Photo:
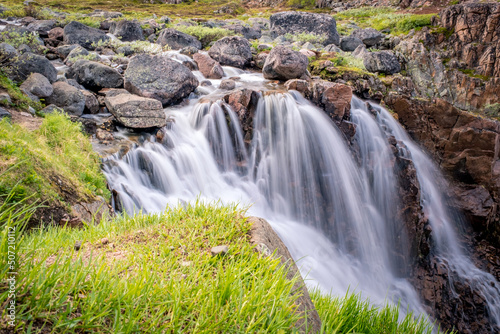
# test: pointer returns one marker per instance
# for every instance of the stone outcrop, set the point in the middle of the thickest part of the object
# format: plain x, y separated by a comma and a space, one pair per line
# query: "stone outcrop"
136, 112
268, 243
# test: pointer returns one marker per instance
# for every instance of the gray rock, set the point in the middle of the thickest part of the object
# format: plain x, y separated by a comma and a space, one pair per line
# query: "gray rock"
227, 84
136, 112
208, 67
232, 51
28, 63
219, 250
177, 40
4, 113
50, 109
350, 43
127, 31
302, 22
188, 50
91, 103
7, 52
308, 46
369, 36
37, 85
23, 48
105, 14
381, 61
284, 64
5, 98
64, 50
95, 76
42, 27
165, 19
332, 48
266, 39
67, 97
160, 78
79, 33
359, 52
78, 51
247, 32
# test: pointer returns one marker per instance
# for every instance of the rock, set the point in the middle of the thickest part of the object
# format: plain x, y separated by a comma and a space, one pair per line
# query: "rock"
205, 83
208, 67
42, 27
247, 32
5, 98
136, 112
160, 78
67, 97
105, 14
95, 76
177, 40
308, 46
302, 22
78, 51
332, 48
302, 86
368, 36
333, 98
284, 64
37, 85
104, 135
91, 103
232, 51
188, 50
104, 241
243, 102
7, 52
269, 243
56, 33
127, 31
307, 53
219, 250
78, 245
350, 43
28, 63
360, 52
4, 113
79, 33
227, 84
260, 59
64, 50
23, 48
381, 61
50, 109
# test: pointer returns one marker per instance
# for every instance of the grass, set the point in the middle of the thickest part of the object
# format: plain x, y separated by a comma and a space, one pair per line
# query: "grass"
19, 100
156, 274
206, 35
54, 163
306, 37
352, 314
381, 18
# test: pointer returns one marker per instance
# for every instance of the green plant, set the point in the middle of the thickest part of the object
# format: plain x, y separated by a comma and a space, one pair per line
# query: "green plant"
301, 3
16, 39
492, 110
206, 35
19, 100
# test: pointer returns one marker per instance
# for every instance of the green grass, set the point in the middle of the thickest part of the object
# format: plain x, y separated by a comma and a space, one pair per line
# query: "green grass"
155, 275
352, 314
19, 100
54, 162
206, 35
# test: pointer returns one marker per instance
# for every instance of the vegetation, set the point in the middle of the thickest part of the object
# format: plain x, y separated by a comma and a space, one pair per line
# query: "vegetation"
19, 100
206, 35
16, 39
50, 163
352, 314
492, 110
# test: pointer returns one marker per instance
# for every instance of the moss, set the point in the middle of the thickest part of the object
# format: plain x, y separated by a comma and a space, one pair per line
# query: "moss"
471, 73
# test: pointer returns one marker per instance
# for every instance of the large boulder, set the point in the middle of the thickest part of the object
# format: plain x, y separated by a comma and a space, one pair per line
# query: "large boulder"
177, 40
79, 33
382, 62
95, 76
247, 32
67, 97
368, 36
160, 78
127, 31
37, 85
284, 64
42, 27
135, 111
208, 67
302, 22
7, 52
21, 67
350, 43
232, 51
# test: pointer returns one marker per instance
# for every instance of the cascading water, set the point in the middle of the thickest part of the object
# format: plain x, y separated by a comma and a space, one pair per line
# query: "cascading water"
336, 218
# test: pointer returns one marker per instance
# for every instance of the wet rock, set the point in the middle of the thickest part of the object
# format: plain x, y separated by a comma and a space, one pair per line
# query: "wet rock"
368, 36
232, 51
227, 84
160, 78
333, 98
127, 31
37, 85
302, 86
104, 135
284, 64
135, 111
350, 43
189, 51
95, 76
68, 98
87, 37
382, 62
27, 63
302, 22
219, 250
177, 40
243, 103
208, 67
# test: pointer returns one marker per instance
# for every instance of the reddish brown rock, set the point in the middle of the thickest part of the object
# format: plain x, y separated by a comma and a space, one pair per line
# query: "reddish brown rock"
334, 98
208, 67
243, 102
56, 33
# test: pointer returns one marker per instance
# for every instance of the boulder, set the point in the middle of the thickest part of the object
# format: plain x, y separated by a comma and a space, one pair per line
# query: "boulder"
247, 32
4, 113
333, 98
91, 102
64, 50
95, 76
359, 52
127, 31
42, 27
368, 36
227, 84
208, 67
135, 111
350, 43
302, 22
177, 40
332, 48
78, 51
232, 51
381, 61
7, 52
28, 63
284, 64
67, 97
299, 85
56, 33
160, 78
79, 33
37, 85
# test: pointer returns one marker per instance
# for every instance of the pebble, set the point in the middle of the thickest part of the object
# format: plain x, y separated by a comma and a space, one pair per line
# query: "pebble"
219, 250
78, 245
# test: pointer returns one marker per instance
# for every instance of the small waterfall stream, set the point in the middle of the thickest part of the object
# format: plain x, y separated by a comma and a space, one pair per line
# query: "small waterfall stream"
337, 217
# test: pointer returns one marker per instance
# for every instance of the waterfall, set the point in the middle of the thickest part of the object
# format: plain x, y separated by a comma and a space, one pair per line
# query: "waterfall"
335, 214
